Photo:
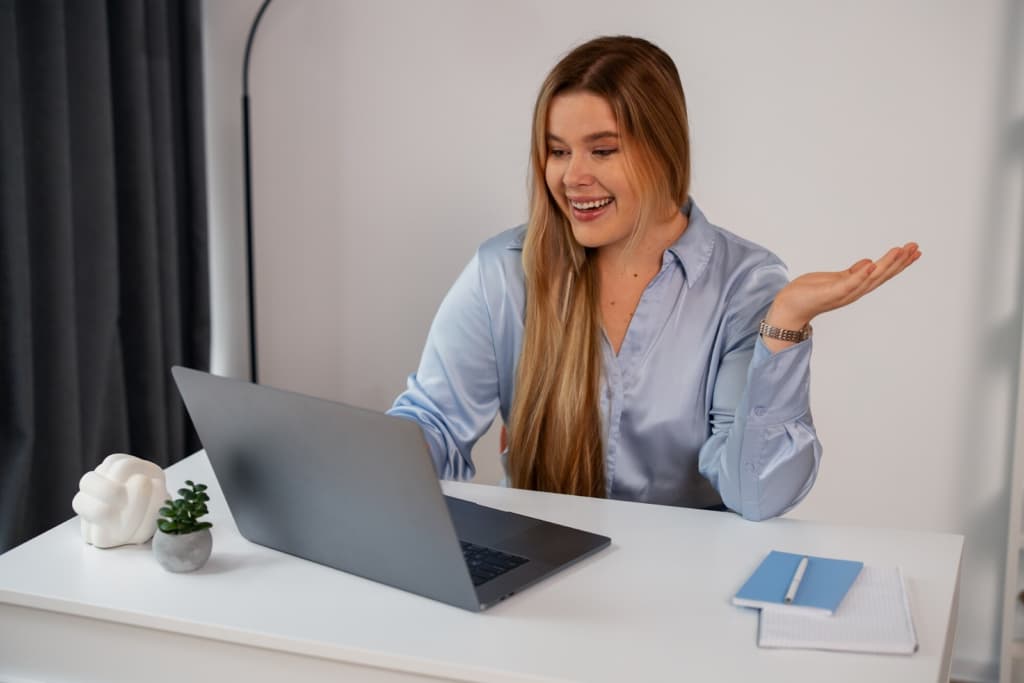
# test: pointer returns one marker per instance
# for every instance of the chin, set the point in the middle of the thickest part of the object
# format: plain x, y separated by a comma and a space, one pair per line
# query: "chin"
588, 237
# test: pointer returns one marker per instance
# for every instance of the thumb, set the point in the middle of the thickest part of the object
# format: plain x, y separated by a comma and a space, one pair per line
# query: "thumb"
863, 267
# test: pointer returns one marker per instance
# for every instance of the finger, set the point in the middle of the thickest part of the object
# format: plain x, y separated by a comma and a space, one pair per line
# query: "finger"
897, 267
904, 263
854, 274
840, 288
848, 280
855, 294
911, 250
863, 263
915, 254
893, 267
863, 276
877, 276
881, 268
889, 257
890, 265
829, 289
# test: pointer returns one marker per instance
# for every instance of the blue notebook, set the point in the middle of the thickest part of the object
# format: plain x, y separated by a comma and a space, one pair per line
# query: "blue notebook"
825, 581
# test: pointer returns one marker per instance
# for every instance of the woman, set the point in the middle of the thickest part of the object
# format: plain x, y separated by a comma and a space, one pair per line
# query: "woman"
634, 350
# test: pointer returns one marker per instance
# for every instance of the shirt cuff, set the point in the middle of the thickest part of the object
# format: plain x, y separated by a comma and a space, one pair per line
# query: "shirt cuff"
778, 384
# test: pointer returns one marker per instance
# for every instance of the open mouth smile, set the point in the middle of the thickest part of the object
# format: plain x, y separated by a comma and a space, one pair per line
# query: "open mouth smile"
589, 209
590, 205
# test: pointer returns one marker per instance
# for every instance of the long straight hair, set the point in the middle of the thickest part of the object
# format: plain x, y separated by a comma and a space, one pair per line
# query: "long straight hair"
555, 430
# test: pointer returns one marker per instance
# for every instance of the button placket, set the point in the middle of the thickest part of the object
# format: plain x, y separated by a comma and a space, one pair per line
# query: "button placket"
613, 373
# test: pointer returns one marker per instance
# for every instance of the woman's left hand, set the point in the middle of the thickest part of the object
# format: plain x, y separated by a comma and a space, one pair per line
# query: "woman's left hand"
814, 293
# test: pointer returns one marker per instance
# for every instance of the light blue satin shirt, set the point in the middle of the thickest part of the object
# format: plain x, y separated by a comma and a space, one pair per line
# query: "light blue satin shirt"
696, 411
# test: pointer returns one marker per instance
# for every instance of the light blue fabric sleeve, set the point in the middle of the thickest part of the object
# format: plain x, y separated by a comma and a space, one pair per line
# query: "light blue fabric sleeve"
763, 453
453, 395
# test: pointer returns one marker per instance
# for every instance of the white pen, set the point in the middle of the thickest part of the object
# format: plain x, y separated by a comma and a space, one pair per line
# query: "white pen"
794, 585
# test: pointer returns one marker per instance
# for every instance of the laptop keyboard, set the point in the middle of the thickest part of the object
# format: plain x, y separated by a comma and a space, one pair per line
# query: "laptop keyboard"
487, 563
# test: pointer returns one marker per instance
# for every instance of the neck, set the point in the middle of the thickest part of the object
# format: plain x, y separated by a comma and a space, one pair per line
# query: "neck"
616, 260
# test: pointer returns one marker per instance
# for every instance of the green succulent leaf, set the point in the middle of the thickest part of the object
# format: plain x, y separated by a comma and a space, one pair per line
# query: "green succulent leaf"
181, 514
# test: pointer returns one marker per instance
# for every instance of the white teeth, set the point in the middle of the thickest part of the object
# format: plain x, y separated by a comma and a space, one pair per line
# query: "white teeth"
591, 205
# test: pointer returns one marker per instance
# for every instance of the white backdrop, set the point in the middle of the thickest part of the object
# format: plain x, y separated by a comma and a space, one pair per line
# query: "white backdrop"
390, 139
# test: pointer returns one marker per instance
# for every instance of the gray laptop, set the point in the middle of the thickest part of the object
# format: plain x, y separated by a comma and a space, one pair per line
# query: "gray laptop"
356, 490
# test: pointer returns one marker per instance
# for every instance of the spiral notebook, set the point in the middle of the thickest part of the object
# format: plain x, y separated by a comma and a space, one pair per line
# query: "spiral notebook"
875, 616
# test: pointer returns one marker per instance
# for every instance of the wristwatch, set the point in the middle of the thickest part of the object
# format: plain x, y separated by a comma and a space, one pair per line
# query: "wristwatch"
767, 330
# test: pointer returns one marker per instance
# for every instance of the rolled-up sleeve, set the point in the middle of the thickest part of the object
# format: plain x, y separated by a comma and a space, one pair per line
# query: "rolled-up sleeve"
453, 394
763, 452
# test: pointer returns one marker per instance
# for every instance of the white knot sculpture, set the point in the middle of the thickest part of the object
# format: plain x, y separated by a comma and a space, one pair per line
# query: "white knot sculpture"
119, 501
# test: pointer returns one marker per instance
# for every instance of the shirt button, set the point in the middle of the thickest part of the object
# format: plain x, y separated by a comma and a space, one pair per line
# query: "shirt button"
759, 411
750, 467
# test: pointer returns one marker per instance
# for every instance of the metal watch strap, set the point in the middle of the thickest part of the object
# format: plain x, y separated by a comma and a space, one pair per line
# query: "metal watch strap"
767, 330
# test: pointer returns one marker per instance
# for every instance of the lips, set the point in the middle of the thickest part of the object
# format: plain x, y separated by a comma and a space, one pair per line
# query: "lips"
589, 209
590, 204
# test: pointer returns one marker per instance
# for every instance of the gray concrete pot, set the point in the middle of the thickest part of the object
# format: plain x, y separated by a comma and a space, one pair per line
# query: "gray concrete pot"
182, 552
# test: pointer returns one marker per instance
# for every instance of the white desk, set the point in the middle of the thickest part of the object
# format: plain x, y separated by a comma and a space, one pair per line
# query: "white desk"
652, 607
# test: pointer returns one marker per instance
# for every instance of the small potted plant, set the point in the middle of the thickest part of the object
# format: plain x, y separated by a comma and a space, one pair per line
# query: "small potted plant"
182, 543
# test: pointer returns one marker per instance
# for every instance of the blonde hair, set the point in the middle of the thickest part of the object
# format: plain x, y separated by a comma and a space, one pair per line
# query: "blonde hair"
555, 441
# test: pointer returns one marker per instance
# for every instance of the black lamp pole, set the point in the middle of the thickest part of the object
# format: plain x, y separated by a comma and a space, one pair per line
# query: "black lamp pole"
253, 374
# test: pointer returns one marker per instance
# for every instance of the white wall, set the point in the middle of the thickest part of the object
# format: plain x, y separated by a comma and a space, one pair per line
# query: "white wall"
390, 138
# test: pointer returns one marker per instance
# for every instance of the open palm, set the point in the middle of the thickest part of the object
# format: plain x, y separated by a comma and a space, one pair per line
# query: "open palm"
814, 293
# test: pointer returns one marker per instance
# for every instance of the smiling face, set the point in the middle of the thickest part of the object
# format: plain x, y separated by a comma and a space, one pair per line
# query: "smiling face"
586, 171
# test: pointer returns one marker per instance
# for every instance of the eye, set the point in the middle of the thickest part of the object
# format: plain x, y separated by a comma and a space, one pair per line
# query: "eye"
605, 151
557, 153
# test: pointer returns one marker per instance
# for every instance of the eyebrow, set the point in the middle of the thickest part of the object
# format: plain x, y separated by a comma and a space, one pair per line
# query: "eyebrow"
593, 137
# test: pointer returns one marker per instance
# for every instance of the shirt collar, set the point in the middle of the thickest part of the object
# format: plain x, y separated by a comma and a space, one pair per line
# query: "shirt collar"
692, 250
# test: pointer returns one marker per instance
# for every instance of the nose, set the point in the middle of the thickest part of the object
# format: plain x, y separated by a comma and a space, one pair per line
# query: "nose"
577, 171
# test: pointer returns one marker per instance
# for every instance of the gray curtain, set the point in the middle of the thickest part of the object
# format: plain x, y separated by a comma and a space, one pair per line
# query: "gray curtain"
103, 265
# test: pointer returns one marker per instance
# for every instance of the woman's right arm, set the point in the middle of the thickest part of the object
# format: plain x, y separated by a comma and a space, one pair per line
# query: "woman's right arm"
453, 395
